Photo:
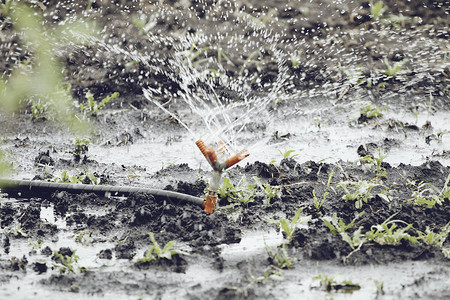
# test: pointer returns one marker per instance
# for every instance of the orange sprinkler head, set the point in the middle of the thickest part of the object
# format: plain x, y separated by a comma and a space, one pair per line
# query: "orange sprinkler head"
237, 158
221, 147
203, 148
210, 203
212, 156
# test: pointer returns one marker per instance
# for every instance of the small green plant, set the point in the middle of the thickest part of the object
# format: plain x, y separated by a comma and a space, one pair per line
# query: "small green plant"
84, 237
288, 154
16, 231
67, 263
156, 253
391, 71
270, 273
318, 203
388, 232
36, 245
279, 257
86, 177
370, 112
328, 283
92, 106
434, 239
380, 287
80, 148
427, 194
377, 162
270, 191
377, 9
242, 193
338, 226
289, 226
359, 191
38, 109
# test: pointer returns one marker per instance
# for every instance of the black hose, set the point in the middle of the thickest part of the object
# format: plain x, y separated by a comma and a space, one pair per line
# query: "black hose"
33, 188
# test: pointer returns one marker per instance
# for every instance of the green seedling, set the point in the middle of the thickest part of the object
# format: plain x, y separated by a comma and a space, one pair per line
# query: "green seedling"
319, 203
84, 237
337, 226
388, 232
16, 231
67, 263
36, 245
370, 112
446, 252
242, 193
427, 194
376, 162
270, 273
80, 147
328, 284
87, 178
279, 257
144, 23
434, 239
296, 58
92, 107
377, 9
359, 191
155, 253
270, 191
288, 154
391, 71
289, 226
380, 287
38, 109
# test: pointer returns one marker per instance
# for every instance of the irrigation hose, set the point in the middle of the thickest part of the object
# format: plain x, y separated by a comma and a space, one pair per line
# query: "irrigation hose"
34, 188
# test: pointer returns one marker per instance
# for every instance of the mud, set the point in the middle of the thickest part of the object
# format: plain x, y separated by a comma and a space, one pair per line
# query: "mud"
318, 114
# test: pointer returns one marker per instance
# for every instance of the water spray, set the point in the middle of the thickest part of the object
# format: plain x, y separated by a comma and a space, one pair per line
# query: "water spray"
219, 165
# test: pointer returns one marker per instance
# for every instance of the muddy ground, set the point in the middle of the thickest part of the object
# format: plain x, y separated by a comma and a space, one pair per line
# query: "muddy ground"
317, 111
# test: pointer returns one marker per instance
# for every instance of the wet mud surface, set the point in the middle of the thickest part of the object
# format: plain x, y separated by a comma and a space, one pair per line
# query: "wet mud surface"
88, 246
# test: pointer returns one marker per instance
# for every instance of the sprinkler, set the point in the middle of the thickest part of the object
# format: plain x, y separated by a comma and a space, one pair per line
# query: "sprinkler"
218, 165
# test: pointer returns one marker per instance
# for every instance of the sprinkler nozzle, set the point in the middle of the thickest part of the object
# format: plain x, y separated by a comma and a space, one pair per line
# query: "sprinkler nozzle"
237, 158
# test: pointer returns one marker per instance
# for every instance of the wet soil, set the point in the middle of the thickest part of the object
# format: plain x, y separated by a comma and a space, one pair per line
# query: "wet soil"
227, 254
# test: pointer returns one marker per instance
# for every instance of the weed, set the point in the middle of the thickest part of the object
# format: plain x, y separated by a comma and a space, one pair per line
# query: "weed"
388, 233
144, 23
328, 283
270, 191
87, 177
80, 148
359, 191
288, 154
16, 231
446, 252
241, 193
35, 244
270, 273
156, 253
338, 226
92, 106
428, 194
67, 263
377, 162
289, 226
370, 112
380, 287
431, 238
391, 71
84, 237
377, 9
318, 203
280, 257
38, 110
